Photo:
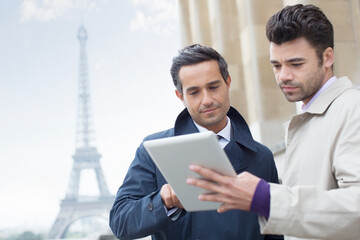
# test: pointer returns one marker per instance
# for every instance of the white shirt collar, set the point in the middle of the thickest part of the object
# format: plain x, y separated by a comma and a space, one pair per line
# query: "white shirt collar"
225, 132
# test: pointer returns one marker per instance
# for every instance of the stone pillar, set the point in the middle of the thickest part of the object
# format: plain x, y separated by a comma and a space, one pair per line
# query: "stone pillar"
344, 16
194, 22
199, 21
184, 23
267, 107
223, 17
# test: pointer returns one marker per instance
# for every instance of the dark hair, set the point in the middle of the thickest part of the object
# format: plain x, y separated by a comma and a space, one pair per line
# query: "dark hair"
299, 20
196, 54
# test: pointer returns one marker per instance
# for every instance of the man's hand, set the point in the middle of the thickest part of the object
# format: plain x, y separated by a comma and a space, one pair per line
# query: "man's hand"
233, 192
169, 197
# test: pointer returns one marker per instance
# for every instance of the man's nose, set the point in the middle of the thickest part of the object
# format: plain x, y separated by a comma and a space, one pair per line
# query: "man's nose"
207, 100
285, 74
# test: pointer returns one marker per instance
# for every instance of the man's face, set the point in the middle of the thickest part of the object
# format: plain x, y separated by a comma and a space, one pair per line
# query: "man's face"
296, 68
205, 94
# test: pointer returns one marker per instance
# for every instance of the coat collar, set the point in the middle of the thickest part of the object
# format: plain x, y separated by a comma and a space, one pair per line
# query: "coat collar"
240, 130
325, 99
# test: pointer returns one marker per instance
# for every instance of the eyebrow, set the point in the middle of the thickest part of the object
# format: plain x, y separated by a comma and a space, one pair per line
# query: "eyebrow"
213, 82
291, 60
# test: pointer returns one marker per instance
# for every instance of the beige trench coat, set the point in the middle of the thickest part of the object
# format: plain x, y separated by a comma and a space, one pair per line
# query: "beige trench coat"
320, 195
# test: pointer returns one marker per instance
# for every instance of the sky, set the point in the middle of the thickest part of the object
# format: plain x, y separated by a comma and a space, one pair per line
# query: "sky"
129, 50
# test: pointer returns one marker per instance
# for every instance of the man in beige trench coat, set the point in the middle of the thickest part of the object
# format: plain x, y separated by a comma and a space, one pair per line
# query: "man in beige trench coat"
320, 195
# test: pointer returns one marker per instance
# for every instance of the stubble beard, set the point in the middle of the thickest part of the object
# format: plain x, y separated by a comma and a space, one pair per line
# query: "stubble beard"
306, 92
216, 118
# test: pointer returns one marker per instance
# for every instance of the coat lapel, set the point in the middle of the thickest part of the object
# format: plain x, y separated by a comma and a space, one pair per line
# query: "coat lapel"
236, 155
241, 142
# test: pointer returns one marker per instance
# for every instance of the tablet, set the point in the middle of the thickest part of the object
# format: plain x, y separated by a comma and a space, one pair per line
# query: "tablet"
173, 156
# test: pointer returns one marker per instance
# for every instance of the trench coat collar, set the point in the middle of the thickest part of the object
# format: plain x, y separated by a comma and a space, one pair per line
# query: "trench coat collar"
324, 100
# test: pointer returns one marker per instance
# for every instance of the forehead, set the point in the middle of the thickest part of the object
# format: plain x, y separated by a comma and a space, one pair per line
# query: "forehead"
200, 72
298, 48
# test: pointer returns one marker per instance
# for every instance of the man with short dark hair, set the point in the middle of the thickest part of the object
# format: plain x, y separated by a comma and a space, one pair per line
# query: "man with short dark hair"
146, 205
320, 195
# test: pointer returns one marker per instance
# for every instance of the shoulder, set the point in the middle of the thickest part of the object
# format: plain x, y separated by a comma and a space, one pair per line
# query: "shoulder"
263, 150
262, 163
348, 94
142, 155
347, 101
162, 134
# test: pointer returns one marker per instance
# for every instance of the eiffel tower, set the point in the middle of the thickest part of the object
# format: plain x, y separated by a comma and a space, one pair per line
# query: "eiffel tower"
75, 206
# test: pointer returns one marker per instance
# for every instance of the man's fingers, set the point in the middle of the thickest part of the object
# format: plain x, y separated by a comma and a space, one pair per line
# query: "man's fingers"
205, 184
207, 173
223, 208
166, 197
217, 197
169, 197
227, 206
169, 203
175, 201
213, 197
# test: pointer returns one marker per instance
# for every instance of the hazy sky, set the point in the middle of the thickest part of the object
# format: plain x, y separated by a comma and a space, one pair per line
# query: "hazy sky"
129, 50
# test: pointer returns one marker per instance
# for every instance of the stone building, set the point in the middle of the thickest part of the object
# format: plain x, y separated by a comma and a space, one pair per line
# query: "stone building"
236, 29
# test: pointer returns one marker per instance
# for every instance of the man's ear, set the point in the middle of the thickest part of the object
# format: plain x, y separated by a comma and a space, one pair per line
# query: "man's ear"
328, 57
179, 95
228, 81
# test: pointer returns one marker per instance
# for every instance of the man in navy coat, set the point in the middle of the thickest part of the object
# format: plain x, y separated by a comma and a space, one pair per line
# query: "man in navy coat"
146, 205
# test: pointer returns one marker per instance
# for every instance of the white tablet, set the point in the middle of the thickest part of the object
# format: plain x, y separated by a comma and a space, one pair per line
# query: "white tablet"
173, 156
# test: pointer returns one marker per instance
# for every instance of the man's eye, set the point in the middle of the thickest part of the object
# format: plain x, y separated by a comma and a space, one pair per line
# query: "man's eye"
214, 87
193, 92
277, 66
296, 64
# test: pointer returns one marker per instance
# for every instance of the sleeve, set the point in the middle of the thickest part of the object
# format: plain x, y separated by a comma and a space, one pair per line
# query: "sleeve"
310, 212
260, 203
138, 210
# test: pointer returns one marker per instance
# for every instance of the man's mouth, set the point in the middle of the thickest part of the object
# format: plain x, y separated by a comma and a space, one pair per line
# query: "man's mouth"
209, 110
288, 89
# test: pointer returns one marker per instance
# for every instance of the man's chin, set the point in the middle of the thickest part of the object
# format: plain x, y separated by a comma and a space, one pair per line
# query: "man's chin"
292, 98
210, 123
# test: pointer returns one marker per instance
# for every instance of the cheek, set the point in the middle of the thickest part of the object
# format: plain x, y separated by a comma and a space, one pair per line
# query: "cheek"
276, 75
190, 104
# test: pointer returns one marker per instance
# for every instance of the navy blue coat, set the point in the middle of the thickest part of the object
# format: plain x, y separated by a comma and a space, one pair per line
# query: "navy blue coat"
138, 210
